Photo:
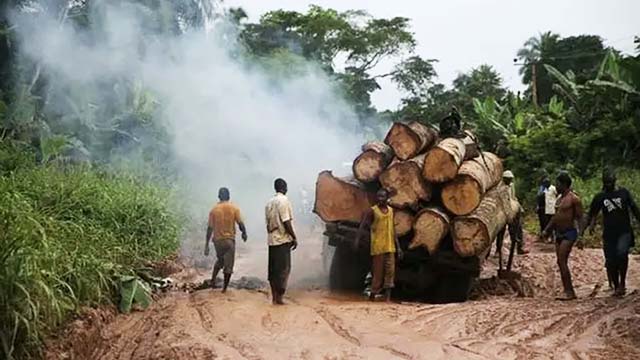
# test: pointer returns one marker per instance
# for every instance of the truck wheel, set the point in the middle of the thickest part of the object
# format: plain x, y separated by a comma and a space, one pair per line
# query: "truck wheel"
453, 287
348, 270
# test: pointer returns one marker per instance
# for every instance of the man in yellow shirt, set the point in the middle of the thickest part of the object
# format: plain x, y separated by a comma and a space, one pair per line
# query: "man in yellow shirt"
384, 245
222, 223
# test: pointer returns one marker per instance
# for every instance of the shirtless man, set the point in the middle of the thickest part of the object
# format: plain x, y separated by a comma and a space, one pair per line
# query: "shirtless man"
565, 223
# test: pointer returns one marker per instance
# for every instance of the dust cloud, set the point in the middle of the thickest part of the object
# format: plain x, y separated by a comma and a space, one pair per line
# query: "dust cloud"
231, 122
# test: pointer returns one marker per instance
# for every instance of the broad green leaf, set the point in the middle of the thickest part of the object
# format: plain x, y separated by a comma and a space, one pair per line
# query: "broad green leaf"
133, 291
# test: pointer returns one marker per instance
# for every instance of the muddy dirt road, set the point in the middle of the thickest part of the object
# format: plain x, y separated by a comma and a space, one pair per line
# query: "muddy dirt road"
316, 325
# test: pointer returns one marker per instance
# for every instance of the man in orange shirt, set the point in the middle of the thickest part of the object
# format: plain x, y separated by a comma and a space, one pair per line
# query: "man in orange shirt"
222, 223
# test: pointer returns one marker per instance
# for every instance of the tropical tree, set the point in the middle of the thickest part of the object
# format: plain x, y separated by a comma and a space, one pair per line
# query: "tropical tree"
580, 54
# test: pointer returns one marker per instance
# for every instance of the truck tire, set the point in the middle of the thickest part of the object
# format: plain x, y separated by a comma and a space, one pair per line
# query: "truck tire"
348, 269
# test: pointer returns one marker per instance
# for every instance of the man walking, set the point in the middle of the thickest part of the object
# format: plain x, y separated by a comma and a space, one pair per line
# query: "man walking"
616, 205
222, 223
282, 239
565, 223
384, 245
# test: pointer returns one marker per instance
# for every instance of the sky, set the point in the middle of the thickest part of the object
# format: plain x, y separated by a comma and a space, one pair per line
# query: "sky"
462, 34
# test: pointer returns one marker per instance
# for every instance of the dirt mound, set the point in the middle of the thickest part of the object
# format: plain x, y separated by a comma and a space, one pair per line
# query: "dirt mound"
506, 284
78, 339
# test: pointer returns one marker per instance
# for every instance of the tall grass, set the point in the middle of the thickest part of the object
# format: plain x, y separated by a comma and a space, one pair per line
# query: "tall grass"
65, 237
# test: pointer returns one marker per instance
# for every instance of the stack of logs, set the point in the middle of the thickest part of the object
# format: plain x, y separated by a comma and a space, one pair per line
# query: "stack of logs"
438, 187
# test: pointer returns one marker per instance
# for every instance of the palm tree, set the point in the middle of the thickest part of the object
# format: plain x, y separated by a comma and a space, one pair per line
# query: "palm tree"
535, 49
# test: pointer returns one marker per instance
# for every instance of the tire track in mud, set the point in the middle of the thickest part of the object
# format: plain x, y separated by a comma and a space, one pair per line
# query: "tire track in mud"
397, 353
336, 324
207, 320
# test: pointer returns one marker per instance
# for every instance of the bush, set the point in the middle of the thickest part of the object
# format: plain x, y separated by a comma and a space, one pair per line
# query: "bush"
65, 236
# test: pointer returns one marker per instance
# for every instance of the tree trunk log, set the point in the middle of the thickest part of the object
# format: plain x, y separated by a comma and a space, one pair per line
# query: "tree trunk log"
375, 157
442, 162
431, 225
404, 181
341, 199
409, 140
473, 234
403, 221
475, 177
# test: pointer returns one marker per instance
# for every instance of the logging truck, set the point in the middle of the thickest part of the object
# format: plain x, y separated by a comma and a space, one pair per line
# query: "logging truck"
449, 204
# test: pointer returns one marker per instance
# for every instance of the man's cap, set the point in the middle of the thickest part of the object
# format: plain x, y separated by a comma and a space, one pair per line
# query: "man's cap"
507, 174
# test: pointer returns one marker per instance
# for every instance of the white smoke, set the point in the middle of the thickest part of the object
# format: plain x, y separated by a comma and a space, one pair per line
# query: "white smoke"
232, 124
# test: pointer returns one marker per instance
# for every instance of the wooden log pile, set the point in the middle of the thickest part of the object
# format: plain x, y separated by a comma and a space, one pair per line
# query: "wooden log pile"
442, 189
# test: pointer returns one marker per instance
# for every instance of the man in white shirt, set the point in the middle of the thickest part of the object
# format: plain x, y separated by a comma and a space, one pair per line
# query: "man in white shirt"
546, 202
282, 239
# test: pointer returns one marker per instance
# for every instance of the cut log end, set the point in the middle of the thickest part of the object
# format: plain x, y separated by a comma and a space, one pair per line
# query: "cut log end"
375, 157
409, 140
368, 166
403, 222
403, 140
430, 227
471, 236
462, 195
444, 160
340, 199
404, 180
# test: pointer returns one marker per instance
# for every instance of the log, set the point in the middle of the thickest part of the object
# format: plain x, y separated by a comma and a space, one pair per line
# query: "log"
403, 222
375, 157
404, 181
341, 199
409, 140
431, 225
473, 234
442, 162
475, 177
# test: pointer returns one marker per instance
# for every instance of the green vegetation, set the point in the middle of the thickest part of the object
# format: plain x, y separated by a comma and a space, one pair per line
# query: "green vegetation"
66, 235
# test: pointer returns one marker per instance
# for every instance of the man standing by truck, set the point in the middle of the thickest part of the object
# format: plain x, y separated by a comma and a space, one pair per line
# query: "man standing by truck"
282, 239
515, 226
384, 245
222, 223
616, 205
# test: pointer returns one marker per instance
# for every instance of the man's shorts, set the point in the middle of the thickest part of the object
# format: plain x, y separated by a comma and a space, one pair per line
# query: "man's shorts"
226, 254
617, 248
568, 235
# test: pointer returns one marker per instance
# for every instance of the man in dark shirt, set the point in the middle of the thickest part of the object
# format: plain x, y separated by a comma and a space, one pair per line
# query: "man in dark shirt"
615, 204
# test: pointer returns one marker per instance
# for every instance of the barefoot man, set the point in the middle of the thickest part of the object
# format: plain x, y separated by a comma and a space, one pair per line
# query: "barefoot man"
565, 223
384, 245
222, 223
282, 239
616, 205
